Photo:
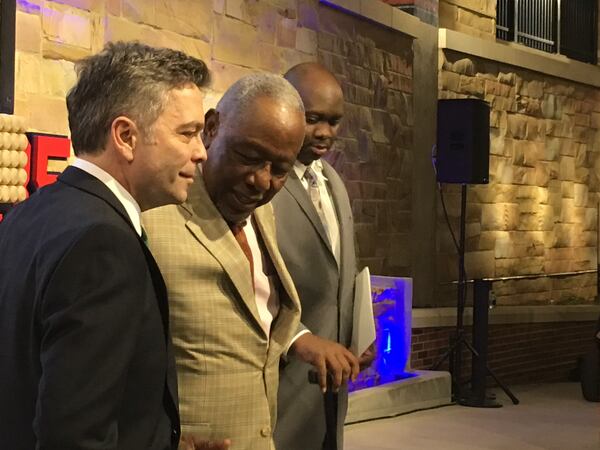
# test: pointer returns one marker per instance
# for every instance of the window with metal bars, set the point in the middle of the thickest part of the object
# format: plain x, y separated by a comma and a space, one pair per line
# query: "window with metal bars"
568, 27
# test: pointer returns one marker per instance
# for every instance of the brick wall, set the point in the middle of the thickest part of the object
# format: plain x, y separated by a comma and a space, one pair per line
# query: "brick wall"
373, 154
517, 353
539, 213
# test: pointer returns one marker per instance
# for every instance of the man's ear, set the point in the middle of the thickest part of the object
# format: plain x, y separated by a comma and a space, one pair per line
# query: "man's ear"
211, 127
124, 135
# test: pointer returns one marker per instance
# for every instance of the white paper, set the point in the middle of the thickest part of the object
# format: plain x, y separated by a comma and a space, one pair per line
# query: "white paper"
363, 327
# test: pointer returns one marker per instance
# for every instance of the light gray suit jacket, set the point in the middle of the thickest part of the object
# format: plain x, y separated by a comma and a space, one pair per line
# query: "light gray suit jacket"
326, 294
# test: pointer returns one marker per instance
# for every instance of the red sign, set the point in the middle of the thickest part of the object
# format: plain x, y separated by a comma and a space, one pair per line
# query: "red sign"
41, 149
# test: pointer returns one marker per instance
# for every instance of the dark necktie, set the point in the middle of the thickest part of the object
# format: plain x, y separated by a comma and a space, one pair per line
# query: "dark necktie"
240, 237
144, 237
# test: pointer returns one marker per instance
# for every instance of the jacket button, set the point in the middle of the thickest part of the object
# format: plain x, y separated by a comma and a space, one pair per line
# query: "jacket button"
265, 432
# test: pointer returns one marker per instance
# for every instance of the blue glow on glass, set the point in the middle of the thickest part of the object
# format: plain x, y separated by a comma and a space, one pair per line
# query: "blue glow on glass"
393, 337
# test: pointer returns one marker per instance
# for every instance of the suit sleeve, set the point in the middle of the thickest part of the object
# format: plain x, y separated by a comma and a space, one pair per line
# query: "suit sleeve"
90, 314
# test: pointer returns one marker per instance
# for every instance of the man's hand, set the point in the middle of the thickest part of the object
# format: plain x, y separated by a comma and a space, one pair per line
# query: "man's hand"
367, 357
325, 356
191, 442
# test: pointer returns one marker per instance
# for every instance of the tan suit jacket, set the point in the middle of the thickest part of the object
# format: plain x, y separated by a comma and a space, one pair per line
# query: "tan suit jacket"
227, 367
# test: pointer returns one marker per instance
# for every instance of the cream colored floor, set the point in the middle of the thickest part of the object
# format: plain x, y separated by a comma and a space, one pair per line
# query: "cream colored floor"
549, 417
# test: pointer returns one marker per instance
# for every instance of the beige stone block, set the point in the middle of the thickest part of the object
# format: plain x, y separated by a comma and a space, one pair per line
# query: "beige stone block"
43, 114
591, 219
480, 264
548, 106
117, 29
535, 193
448, 15
235, 9
28, 72
525, 153
508, 78
595, 120
235, 42
500, 169
567, 210
28, 32
483, 7
191, 46
306, 41
564, 234
561, 266
58, 77
286, 32
516, 126
139, 11
547, 220
484, 24
581, 134
67, 26
55, 50
580, 194
113, 7
471, 85
186, 17
464, 66
88, 5
224, 75
499, 145
492, 193
500, 217
524, 175
519, 266
567, 168
581, 119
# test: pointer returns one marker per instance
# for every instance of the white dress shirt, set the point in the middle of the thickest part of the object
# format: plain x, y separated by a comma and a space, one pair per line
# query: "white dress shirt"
332, 226
266, 286
131, 206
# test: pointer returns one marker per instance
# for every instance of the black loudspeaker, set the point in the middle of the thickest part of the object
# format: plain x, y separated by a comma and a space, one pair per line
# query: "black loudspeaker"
463, 141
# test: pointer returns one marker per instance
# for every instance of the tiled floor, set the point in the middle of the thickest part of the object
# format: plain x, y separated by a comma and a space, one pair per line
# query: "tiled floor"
549, 417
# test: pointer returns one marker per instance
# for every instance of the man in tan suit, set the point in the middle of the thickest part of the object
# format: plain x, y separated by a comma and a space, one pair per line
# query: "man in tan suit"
233, 305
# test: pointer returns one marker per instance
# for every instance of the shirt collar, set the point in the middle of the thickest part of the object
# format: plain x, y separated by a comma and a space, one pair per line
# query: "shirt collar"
131, 206
316, 165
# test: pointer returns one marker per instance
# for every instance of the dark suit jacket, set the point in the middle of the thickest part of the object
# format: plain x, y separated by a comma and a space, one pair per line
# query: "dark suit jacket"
85, 357
326, 293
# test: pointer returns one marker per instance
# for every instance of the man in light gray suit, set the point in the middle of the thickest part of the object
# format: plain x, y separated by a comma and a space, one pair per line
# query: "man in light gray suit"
315, 233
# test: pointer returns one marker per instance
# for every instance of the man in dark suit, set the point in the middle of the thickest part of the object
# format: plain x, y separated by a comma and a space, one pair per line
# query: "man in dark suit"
85, 353
315, 234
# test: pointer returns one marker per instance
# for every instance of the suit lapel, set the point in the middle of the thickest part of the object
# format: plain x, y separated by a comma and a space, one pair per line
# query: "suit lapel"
82, 180
210, 229
289, 304
340, 203
294, 186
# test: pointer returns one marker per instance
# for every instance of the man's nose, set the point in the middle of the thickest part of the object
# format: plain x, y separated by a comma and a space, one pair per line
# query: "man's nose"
323, 130
262, 178
198, 151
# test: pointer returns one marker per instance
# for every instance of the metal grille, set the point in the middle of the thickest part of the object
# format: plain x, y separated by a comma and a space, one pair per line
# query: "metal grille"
579, 29
550, 25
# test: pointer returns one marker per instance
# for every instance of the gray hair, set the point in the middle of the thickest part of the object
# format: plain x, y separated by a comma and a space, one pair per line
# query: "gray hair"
247, 89
129, 79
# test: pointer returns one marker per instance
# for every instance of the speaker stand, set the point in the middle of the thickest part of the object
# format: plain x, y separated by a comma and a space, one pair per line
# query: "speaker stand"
476, 397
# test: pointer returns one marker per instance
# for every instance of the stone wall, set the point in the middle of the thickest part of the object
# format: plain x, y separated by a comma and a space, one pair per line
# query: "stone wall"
472, 17
237, 37
539, 214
